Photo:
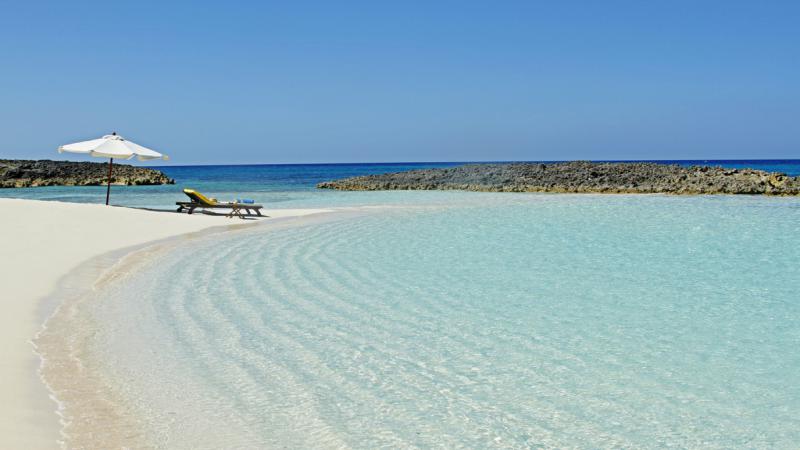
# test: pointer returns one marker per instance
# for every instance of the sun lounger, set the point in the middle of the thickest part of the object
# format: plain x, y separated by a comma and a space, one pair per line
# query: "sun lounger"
199, 200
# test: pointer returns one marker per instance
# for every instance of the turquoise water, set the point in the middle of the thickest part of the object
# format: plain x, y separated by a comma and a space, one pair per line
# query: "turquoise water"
276, 186
472, 320
282, 186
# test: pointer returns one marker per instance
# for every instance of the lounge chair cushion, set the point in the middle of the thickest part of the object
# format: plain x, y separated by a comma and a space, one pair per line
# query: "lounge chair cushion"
200, 198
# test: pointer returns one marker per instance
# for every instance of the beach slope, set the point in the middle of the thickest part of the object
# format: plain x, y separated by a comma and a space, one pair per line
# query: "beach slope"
41, 242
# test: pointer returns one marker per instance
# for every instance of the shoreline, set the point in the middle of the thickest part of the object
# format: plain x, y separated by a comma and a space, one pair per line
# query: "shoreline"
125, 418
45, 242
96, 414
51, 344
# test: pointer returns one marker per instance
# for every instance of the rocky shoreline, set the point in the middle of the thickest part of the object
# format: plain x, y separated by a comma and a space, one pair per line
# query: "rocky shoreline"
580, 177
18, 173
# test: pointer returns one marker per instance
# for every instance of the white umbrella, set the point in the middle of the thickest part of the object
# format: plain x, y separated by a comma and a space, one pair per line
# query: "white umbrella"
112, 146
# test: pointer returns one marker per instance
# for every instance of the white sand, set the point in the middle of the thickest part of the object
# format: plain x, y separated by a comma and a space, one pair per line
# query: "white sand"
41, 242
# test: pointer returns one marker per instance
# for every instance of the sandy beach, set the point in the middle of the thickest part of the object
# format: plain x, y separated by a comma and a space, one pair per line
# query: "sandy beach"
43, 241
399, 225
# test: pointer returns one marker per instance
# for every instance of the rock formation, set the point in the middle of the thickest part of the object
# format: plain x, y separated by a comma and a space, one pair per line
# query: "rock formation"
580, 177
27, 173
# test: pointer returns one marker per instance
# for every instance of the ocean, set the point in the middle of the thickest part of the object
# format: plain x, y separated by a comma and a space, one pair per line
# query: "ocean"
283, 185
454, 319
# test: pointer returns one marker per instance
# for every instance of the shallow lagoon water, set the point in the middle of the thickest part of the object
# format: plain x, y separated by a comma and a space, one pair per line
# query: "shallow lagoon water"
471, 320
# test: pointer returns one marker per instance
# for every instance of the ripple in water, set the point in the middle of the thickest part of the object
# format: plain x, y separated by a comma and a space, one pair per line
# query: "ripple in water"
511, 321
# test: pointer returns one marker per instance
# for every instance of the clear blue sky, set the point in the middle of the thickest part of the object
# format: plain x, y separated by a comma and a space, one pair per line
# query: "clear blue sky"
246, 82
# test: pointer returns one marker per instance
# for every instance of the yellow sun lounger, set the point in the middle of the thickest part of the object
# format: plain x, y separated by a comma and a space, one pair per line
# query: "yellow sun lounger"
201, 201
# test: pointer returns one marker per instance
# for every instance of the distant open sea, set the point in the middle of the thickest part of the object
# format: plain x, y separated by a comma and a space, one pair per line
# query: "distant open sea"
414, 319
283, 185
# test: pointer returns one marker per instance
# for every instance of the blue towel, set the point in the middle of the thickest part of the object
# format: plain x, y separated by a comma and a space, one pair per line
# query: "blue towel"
244, 200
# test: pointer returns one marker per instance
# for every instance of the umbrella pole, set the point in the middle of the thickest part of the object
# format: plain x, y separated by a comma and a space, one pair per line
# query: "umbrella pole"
108, 189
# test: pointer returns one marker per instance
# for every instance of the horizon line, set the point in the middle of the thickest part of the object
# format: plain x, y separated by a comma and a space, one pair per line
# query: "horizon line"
481, 162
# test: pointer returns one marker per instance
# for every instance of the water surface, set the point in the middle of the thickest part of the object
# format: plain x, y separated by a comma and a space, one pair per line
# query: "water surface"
283, 185
472, 320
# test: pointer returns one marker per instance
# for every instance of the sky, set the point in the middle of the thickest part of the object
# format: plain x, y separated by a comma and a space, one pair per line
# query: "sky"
369, 81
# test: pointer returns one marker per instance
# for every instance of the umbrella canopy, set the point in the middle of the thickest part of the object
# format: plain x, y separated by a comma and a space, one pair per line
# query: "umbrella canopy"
112, 146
